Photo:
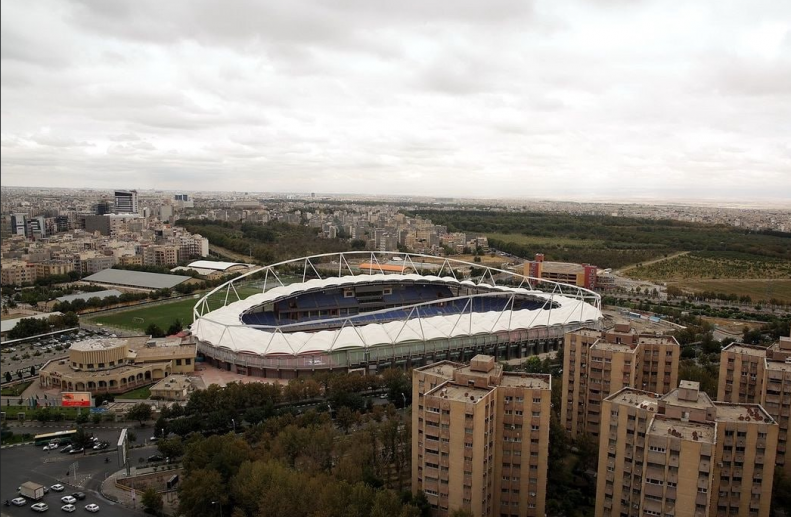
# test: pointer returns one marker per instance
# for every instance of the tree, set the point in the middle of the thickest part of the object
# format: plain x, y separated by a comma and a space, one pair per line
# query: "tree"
8, 376
96, 418
345, 418
171, 447
82, 418
152, 501
32, 371
175, 327
153, 330
81, 439
140, 412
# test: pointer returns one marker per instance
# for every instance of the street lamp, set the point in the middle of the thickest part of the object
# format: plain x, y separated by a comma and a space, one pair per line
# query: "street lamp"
218, 506
234, 425
404, 397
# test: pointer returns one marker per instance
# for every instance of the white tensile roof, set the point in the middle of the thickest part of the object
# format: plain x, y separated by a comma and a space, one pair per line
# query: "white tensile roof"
216, 266
224, 328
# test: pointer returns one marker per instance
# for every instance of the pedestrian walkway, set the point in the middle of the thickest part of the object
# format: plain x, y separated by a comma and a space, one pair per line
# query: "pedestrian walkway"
132, 498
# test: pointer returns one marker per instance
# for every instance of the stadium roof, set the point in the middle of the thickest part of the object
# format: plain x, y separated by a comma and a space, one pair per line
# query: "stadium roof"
136, 279
223, 327
87, 296
216, 266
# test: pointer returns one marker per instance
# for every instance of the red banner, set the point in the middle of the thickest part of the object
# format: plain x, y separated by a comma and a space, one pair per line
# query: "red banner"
76, 399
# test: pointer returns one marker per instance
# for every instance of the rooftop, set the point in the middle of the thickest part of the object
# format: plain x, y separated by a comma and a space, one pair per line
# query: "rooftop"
540, 381
780, 366
741, 413
136, 279
693, 431
702, 402
102, 343
602, 344
217, 266
443, 368
87, 296
649, 339
459, 393
635, 398
753, 350
163, 352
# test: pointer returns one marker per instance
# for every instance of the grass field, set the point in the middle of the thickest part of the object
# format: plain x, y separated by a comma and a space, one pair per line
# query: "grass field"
546, 242
139, 393
779, 289
164, 314
17, 389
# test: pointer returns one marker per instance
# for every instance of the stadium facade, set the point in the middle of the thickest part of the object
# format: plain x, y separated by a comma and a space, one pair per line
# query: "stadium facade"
365, 311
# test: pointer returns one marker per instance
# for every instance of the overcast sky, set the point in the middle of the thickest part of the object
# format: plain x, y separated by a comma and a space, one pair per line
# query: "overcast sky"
478, 98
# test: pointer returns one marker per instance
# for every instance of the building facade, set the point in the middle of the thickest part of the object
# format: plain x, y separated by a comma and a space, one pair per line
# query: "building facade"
760, 375
599, 363
582, 275
479, 441
126, 202
682, 454
116, 365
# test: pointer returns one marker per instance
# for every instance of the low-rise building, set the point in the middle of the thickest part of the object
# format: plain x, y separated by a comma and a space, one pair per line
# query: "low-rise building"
175, 388
116, 365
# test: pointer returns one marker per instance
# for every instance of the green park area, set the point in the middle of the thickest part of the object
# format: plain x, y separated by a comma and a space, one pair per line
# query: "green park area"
17, 389
138, 394
163, 314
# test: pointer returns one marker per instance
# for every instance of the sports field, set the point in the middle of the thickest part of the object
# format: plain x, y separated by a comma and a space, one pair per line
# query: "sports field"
163, 314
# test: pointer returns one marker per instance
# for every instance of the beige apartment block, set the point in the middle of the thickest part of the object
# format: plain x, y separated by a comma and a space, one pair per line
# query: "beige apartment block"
480, 438
598, 363
759, 375
681, 454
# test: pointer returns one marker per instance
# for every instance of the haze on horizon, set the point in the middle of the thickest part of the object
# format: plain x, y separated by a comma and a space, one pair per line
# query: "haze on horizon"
593, 99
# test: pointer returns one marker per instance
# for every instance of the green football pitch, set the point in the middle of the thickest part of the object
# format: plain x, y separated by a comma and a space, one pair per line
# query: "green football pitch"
163, 314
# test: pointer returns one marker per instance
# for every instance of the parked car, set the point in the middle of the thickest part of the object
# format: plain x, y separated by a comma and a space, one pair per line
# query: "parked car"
93, 508
156, 457
40, 507
70, 508
65, 449
67, 499
78, 495
76, 451
57, 487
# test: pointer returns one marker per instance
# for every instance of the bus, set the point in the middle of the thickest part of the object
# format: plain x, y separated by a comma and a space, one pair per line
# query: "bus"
61, 437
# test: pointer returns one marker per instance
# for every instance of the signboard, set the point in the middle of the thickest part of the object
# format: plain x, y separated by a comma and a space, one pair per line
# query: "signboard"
98, 410
76, 399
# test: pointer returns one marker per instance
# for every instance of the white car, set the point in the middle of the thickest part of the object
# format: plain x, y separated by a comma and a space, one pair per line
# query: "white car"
47, 448
70, 508
40, 507
57, 488
93, 508
19, 501
67, 499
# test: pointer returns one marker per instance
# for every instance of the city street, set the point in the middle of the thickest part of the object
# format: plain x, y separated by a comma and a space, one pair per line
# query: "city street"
31, 463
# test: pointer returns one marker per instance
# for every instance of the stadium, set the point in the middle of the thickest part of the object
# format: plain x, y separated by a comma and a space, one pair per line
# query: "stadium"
364, 311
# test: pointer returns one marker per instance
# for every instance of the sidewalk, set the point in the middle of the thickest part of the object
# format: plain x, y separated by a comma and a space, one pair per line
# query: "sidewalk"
124, 497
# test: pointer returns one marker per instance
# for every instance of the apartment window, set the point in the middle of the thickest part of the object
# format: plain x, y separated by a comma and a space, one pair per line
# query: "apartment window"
178, 362
536, 400
188, 361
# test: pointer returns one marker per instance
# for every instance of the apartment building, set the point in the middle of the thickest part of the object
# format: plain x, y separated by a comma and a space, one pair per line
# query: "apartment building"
599, 363
682, 454
760, 375
479, 441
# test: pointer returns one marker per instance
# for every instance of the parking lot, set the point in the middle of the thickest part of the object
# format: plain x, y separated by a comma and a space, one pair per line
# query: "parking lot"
19, 357
32, 463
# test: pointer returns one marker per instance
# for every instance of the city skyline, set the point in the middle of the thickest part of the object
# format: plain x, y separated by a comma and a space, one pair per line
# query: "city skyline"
567, 100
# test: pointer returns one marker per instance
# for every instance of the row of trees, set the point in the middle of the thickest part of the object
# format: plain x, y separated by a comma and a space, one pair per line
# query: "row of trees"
266, 243
27, 327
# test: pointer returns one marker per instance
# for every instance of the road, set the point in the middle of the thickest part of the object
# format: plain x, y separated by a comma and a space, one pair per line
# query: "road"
31, 463
649, 262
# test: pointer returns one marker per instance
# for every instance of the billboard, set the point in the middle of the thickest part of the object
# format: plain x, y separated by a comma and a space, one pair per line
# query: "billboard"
76, 399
